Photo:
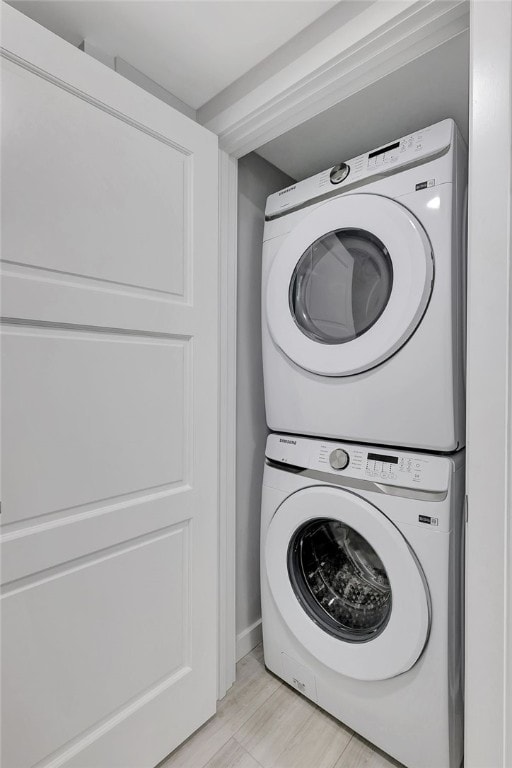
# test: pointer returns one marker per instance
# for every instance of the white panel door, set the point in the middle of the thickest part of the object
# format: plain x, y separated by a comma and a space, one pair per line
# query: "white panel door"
109, 390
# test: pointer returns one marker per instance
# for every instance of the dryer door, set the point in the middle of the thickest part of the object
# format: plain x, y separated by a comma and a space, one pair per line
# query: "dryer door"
349, 285
347, 583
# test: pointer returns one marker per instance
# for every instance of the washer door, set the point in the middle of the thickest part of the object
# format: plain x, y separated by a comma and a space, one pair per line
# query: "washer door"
347, 584
349, 285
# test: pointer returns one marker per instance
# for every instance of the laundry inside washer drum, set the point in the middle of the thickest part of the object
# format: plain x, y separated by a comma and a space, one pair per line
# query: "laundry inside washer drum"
339, 580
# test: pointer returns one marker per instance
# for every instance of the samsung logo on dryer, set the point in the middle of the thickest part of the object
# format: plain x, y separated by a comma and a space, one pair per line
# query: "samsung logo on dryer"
291, 442
288, 189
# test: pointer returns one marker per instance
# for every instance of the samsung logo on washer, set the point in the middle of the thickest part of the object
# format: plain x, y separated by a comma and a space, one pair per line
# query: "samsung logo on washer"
291, 442
288, 189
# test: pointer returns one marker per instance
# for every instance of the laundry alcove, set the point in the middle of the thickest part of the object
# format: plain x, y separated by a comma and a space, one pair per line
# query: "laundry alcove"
426, 90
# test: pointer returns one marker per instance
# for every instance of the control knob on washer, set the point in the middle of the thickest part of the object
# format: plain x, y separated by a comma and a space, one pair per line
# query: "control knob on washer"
338, 459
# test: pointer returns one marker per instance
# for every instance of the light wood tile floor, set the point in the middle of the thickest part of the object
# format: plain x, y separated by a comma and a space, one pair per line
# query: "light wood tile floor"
262, 723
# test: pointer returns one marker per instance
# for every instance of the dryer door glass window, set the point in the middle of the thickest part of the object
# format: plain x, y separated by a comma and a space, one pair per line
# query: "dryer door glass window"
339, 580
341, 286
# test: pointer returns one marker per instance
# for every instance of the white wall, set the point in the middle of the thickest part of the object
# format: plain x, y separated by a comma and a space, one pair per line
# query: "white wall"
256, 180
405, 100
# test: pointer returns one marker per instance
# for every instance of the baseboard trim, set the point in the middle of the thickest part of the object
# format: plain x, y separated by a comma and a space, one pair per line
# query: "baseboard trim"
248, 639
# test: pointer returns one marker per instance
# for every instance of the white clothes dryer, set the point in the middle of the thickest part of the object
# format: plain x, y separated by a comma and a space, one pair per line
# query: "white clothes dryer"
361, 587
363, 297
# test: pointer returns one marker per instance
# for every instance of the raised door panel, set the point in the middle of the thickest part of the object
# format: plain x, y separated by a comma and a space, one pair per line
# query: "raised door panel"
137, 594
137, 237
91, 416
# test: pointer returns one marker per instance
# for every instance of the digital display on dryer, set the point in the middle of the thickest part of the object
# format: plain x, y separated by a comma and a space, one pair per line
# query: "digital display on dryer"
383, 150
382, 457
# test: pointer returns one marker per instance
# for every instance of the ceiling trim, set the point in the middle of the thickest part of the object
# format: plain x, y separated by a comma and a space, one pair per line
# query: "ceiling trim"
381, 39
313, 35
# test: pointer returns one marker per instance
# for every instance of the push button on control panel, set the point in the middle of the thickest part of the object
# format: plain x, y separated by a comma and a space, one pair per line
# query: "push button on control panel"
339, 459
382, 466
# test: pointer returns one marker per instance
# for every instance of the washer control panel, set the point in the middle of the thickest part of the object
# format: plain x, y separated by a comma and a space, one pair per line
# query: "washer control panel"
408, 151
384, 466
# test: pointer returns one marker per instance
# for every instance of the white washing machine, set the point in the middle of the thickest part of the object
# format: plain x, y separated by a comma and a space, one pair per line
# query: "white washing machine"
363, 297
361, 576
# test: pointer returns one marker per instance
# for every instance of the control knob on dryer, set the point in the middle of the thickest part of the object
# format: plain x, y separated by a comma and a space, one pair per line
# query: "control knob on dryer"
339, 173
339, 459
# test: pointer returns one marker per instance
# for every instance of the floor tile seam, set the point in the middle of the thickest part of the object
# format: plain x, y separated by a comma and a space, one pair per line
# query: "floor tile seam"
338, 756
265, 701
294, 737
212, 757
249, 684
172, 759
345, 748
295, 733
247, 751
200, 731
315, 708
262, 674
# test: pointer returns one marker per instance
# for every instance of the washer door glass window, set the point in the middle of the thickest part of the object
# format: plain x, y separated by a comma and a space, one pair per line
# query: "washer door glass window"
346, 583
340, 286
339, 580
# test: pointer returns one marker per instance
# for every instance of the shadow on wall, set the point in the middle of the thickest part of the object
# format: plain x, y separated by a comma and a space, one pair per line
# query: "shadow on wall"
256, 180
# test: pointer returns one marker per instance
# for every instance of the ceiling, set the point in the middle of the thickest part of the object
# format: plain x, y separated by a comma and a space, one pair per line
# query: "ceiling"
233, 40
430, 88
192, 48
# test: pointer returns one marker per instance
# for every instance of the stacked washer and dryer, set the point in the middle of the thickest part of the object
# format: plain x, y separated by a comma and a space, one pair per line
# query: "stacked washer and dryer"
363, 489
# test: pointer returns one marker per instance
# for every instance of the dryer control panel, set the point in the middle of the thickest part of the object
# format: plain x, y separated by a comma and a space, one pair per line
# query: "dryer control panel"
410, 150
403, 469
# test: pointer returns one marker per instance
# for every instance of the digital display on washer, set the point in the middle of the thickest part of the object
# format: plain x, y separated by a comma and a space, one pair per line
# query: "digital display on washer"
384, 149
382, 457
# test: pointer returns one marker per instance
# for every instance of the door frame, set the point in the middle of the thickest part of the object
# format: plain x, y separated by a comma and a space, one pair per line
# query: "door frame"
381, 39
